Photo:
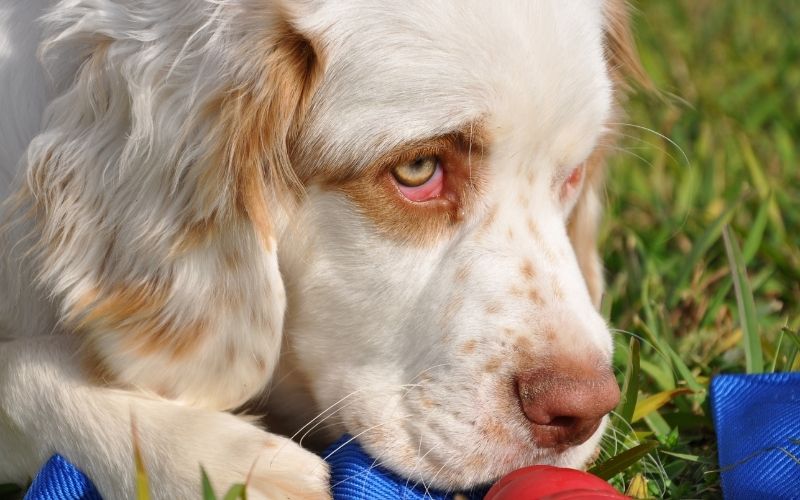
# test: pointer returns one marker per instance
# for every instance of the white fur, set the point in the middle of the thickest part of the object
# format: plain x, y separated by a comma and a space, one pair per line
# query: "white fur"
365, 334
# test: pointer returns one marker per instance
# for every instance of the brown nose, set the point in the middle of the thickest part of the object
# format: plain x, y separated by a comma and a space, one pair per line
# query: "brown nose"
566, 406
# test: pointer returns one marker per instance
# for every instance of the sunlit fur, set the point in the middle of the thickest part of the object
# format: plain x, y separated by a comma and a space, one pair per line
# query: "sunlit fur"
193, 226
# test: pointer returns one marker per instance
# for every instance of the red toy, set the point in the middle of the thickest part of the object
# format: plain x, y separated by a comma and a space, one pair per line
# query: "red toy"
541, 482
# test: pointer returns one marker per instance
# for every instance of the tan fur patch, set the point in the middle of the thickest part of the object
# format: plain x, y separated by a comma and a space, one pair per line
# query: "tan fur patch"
469, 346
136, 313
527, 270
420, 223
492, 365
493, 307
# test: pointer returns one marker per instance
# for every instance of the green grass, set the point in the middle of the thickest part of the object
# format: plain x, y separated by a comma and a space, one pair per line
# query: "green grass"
702, 240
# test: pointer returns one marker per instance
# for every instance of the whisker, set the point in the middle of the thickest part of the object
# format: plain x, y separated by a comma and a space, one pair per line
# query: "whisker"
640, 127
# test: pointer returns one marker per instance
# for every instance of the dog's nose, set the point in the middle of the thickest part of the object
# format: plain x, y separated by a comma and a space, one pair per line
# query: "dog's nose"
565, 407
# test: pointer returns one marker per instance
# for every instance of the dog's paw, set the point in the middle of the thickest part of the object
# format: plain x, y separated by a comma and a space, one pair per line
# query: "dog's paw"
284, 470
231, 451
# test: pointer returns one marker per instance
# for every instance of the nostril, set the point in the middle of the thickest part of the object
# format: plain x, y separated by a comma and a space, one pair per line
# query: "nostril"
564, 421
566, 408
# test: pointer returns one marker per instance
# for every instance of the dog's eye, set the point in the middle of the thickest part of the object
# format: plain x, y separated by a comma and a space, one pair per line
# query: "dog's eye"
420, 179
416, 172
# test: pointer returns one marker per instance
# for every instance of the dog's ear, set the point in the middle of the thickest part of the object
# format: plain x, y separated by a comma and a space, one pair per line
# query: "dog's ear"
158, 185
625, 68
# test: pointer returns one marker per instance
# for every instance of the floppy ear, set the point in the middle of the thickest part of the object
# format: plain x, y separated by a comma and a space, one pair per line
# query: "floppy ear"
158, 186
623, 65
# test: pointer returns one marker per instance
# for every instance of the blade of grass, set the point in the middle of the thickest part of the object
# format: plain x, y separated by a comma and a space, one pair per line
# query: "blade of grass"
700, 247
756, 232
208, 490
658, 425
142, 483
637, 488
677, 361
761, 183
777, 351
662, 376
747, 310
656, 401
622, 461
791, 356
630, 388
235, 493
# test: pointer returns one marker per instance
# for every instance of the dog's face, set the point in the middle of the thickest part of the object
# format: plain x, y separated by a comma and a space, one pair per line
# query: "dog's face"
436, 305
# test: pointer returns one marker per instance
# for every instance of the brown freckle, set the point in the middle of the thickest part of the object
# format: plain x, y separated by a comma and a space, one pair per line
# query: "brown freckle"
165, 392
195, 234
495, 431
523, 200
516, 291
508, 331
475, 462
492, 365
453, 307
510, 233
527, 269
534, 230
231, 259
523, 344
186, 339
462, 273
428, 403
489, 219
550, 334
535, 297
469, 346
493, 307
260, 363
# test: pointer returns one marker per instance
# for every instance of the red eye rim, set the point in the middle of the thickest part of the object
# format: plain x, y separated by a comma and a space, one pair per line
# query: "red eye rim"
429, 190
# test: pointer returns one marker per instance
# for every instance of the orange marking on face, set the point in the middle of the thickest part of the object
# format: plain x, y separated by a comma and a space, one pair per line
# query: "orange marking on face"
453, 307
492, 365
534, 296
462, 273
523, 344
420, 223
469, 346
527, 270
534, 230
493, 307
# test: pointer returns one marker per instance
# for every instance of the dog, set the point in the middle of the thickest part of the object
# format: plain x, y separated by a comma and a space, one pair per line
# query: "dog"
366, 217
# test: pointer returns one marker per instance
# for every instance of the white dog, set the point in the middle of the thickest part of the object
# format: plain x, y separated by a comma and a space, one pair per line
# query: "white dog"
383, 211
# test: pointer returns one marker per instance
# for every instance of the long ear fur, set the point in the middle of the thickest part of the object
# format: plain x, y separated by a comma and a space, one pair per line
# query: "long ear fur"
158, 186
624, 66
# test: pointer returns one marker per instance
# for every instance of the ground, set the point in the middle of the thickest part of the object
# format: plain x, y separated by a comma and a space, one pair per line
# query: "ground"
711, 159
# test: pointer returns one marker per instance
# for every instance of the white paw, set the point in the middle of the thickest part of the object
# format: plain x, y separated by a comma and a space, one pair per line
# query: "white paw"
285, 470
233, 451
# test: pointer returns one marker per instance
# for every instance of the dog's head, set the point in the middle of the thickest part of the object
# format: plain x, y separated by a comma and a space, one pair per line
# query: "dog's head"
420, 178
438, 306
